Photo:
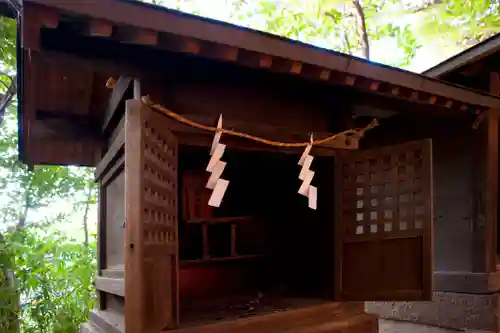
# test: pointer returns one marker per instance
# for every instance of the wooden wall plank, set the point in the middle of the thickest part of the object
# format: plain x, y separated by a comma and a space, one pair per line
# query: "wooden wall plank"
111, 155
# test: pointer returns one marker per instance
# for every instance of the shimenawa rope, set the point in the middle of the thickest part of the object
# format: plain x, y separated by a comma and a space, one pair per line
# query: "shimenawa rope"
352, 132
111, 83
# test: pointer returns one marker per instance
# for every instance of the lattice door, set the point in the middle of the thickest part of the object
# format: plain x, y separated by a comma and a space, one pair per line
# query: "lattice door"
151, 257
384, 219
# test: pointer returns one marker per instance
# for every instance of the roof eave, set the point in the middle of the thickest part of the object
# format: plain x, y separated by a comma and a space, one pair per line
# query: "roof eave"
473, 54
227, 38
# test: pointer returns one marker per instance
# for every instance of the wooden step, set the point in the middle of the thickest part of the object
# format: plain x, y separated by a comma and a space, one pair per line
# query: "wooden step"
107, 321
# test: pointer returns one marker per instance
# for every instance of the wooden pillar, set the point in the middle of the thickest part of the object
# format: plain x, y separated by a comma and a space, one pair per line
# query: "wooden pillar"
491, 196
491, 190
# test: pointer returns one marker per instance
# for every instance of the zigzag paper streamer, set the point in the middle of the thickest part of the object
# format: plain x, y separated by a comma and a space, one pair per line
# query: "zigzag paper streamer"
216, 168
307, 175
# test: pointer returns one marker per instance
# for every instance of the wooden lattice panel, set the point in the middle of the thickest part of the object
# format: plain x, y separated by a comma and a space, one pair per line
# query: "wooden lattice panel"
151, 221
384, 211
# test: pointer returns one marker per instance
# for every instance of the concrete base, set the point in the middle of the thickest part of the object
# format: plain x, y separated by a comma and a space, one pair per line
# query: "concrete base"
392, 326
446, 310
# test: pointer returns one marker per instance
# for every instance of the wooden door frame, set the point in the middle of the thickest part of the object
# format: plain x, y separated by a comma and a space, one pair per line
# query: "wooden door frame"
491, 127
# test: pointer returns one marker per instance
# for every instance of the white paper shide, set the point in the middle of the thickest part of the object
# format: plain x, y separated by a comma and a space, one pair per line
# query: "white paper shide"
307, 175
216, 168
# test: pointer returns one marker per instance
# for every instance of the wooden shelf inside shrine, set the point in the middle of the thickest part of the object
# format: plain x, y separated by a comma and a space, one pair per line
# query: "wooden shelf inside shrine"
199, 219
205, 225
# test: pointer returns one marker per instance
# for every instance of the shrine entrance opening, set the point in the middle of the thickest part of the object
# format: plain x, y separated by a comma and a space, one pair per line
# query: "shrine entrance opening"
263, 250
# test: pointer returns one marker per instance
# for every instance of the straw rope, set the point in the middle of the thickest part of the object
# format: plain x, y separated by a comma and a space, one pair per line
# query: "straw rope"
357, 133
352, 132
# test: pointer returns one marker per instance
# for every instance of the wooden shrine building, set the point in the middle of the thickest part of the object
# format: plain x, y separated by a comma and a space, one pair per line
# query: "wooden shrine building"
467, 280
137, 90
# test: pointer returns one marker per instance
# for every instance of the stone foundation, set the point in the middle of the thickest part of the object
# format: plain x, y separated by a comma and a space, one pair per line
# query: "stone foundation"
392, 326
446, 310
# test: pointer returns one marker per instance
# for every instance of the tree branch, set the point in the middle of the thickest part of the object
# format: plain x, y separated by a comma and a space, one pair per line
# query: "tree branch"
7, 98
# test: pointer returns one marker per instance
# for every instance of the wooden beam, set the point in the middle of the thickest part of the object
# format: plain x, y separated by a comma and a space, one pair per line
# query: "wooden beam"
111, 155
117, 96
281, 133
65, 125
35, 17
110, 285
114, 171
134, 35
98, 28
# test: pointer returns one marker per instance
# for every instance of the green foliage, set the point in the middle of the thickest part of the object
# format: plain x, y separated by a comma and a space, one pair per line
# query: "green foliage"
465, 22
7, 42
54, 280
325, 23
45, 277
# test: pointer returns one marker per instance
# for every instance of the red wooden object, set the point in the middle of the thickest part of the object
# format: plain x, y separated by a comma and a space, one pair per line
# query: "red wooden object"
195, 196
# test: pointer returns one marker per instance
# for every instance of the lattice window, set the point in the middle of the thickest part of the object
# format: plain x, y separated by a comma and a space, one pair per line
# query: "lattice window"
159, 187
382, 195
384, 230
151, 153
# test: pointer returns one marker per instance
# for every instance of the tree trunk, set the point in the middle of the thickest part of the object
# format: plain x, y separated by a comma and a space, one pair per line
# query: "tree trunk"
9, 319
86, 215
21, 223
362, 32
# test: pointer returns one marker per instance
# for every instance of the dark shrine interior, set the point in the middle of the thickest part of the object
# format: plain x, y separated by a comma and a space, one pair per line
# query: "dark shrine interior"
264, 249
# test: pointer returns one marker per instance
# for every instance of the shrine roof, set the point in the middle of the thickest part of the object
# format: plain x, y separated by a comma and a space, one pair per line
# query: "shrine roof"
472, 67
478, 52
78, 45
164, 28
